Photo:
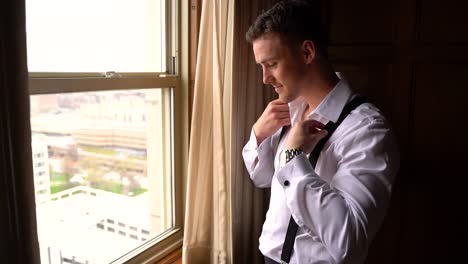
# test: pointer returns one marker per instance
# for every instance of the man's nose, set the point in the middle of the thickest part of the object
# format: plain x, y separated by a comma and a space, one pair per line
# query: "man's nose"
267, 78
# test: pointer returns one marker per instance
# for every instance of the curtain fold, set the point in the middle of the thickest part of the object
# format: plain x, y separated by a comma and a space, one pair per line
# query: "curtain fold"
224, 211
207, 216
249, 99
17, 208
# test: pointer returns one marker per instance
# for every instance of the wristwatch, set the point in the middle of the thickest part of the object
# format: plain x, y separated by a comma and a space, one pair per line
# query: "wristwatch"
289, 154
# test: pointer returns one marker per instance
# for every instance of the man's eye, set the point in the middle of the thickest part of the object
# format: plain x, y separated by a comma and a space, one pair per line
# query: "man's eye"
270, 65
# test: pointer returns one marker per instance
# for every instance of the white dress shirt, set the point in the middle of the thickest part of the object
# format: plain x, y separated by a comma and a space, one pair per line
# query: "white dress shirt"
339, 206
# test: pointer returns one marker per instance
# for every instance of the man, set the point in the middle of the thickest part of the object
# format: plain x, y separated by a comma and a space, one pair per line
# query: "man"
338, 203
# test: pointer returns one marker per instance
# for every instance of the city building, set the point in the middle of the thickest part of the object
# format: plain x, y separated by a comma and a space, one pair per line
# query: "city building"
86, 225
104, 135
41, 168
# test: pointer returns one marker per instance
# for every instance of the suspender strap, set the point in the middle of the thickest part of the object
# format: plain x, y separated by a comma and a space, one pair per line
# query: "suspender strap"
331, 127
288, 244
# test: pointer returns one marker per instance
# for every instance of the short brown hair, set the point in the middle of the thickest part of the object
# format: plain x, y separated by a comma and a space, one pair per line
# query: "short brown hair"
295, 21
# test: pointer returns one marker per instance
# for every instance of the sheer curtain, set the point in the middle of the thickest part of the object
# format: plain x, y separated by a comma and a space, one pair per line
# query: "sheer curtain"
207, 215
17, 209
224, 211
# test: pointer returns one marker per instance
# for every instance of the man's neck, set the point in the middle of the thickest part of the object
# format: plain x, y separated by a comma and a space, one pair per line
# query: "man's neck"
318, 90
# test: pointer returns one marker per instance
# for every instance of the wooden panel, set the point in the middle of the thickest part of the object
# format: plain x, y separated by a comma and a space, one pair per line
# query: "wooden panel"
384, 53
433, 227
438, 159
443, 21
371, 80
440, 98
195, 16
442, 54
361, 21
414, 244
173, 258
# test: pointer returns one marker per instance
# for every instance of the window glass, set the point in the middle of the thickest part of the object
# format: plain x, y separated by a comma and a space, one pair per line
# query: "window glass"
102, 173
96, 35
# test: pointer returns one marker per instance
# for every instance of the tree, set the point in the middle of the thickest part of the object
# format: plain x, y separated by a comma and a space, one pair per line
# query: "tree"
69, 162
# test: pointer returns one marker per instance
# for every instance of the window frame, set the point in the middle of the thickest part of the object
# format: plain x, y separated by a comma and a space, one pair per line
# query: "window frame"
175, 77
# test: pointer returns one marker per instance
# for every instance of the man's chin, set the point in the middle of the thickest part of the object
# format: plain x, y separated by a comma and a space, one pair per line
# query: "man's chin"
286, 98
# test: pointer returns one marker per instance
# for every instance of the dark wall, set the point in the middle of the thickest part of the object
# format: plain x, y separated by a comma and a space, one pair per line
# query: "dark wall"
410, 58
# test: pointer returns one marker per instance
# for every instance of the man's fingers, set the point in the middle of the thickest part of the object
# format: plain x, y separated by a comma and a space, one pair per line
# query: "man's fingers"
278, 102
322, 133
311, 123
280, 108
281, 115
318, 135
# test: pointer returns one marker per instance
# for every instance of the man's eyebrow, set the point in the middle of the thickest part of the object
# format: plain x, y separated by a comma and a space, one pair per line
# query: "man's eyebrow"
267, 59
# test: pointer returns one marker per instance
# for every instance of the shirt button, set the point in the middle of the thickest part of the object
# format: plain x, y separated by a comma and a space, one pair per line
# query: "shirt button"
286, 183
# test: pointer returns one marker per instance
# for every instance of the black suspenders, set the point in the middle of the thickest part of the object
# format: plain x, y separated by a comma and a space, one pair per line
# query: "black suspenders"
288, 244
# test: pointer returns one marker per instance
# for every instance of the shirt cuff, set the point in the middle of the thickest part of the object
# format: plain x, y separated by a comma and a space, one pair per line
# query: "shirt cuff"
253, 141
295, 170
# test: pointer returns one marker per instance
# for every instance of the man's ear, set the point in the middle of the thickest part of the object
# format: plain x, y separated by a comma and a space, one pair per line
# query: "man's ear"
308, 51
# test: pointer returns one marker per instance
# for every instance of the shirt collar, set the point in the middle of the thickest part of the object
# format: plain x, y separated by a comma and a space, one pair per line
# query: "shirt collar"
329, 108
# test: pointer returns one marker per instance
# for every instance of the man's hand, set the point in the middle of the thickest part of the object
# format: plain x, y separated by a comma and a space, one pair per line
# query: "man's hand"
305, 135
275, 116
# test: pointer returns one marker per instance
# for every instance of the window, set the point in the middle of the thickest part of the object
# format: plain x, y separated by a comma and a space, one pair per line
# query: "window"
106, 118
